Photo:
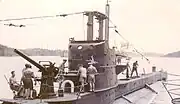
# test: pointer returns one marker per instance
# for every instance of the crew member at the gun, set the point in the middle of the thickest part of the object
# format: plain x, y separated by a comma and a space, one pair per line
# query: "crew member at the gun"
27, 75
14, 85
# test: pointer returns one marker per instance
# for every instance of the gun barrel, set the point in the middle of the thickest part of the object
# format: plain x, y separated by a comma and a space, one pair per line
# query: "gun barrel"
29, 59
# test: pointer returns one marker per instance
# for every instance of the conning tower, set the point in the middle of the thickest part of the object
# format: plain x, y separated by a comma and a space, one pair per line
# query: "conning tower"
98, 51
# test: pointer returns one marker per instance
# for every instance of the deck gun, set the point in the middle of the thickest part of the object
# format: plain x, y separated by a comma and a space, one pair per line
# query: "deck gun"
48, 73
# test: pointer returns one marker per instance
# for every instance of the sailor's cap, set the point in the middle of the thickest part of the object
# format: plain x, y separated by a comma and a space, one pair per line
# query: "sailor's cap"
28, 65
12, 72
64, 60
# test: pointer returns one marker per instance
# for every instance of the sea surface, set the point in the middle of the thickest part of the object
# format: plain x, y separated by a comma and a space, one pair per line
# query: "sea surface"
8, 64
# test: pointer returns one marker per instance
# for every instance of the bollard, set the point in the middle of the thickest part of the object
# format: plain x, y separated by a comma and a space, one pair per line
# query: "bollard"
60, 93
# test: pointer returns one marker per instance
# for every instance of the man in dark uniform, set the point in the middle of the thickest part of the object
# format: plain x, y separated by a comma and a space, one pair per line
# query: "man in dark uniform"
135, 64
127, 70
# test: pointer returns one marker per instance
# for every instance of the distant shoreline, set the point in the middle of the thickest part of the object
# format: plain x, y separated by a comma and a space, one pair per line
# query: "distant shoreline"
6, 51
33, 56
173, 54
9, 52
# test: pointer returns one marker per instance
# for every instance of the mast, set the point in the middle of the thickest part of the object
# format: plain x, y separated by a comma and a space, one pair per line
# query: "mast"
100, 17
107, 23
90, 26
100, 29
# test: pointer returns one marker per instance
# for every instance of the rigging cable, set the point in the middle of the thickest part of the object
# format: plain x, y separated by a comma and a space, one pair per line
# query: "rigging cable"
36, 17
115, 29
64, 15
42, 17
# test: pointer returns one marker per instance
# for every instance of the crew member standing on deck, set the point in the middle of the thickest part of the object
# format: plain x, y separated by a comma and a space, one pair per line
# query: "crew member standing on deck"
127, 69
27, 75
60, 76
135, 65
82, 72
62, 66
91, 71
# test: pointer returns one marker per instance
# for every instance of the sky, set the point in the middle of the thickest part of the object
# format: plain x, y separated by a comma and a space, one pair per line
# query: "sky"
150, 25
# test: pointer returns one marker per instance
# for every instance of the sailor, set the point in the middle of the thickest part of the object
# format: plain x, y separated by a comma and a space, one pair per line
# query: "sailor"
62, 66
118, 61
127, 69
82, 72
26, 66
91, 71
14, 85
27, 76
135, 65
60, 76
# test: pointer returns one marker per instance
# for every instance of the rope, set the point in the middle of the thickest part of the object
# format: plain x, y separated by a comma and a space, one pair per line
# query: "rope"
64, 15
128, 42
173, 74
38, 17
174, 93
173, 89
75, 13
42, 17
171, 84
174, 80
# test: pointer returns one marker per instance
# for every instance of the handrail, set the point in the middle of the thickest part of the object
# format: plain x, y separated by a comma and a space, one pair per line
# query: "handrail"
171, 91
171, 84
107, 66
66, 87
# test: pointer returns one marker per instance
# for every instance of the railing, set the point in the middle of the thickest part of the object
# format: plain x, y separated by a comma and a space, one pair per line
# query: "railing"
63, 87
173, 87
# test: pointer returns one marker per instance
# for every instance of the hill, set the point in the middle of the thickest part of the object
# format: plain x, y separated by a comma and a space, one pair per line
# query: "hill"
45, 52
173, 54
8, 51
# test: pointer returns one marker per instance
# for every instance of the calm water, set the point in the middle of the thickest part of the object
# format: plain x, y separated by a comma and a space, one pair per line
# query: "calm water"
17, 63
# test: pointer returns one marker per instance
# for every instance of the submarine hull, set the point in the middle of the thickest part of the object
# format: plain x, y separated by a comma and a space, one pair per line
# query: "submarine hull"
103, 96
108, 96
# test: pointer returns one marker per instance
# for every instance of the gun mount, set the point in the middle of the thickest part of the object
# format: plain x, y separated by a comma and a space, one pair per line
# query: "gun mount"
49, 71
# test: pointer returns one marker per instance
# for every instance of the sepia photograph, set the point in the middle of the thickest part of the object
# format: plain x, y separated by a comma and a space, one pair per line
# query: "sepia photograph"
89, 51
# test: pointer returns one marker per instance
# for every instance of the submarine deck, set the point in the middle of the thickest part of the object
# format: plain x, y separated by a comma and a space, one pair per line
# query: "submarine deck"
73, 96
67, 97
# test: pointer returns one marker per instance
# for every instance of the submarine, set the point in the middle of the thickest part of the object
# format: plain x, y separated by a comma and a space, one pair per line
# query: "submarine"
108, 88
